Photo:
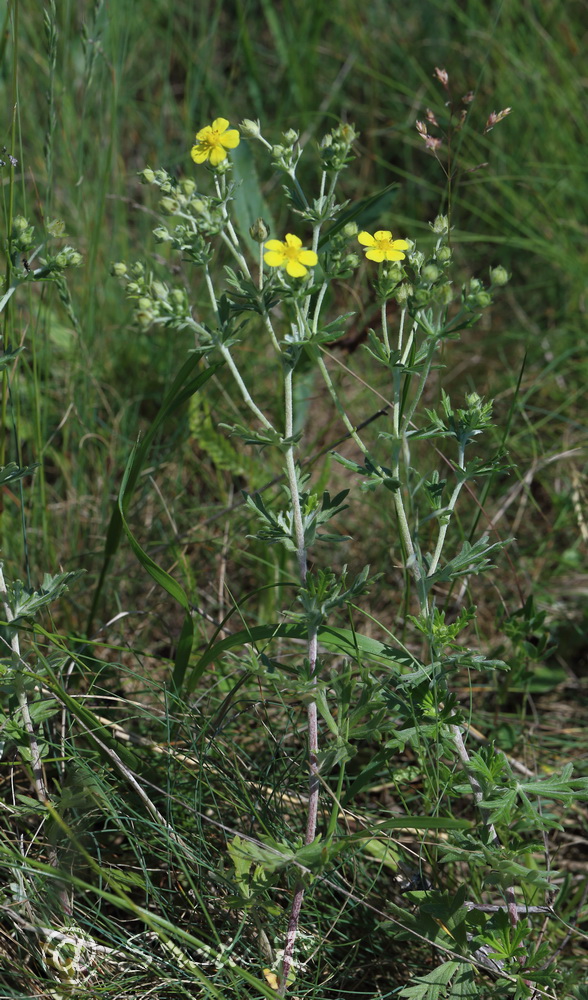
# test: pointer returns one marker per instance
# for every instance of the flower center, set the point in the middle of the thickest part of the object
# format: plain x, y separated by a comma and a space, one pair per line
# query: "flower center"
291, 252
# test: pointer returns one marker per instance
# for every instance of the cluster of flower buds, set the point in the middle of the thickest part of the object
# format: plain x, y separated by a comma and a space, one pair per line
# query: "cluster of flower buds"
338, 261
390, 280
335, 147
181, 198
67, 257
154, 301
22, 236
475, 296
419, 280
286, 154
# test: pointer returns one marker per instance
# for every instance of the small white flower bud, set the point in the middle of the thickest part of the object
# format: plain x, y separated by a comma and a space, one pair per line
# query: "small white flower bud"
499, 275
250, 129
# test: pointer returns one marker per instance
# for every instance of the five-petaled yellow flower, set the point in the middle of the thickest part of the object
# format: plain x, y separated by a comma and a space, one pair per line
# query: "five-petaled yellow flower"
381, 246
212, 142
291, 255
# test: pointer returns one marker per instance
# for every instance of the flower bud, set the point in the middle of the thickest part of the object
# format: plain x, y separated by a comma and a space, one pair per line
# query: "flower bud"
499, 275
290, 136
440, 225
168, 206
350, 260
250, 129
402, 293
187, 186
75, 258
259, 231
147, 175
350, 229
133, 288
56, 228
137, 269
19, 224
443, 254
475, 286
144, 303
393, 270
118, 269
159, 290
430, 273
483, 299
277, 152
444, 293
177, 297
161, 235
144, 318
421, 297
416, 258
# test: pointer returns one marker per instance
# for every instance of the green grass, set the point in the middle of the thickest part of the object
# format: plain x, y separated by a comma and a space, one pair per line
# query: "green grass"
100, 91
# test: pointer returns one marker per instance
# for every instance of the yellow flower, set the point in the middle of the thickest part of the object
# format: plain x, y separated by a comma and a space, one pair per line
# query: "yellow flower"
213, 142
290, 254
382, 246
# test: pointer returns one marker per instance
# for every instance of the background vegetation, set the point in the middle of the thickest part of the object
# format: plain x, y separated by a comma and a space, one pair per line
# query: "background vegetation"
94, 92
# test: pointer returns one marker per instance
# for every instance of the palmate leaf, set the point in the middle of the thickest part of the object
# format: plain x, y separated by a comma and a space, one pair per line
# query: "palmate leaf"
471, 559
26, 603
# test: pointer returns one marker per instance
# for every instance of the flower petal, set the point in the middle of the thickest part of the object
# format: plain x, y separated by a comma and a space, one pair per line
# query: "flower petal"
383, 234
217, 155
295, 269
204, 134
199, 153
395, 255
377, 255
230, 139
293, 241
273, 258
308, 257
366, 240
400, 245
220, 124
274, 245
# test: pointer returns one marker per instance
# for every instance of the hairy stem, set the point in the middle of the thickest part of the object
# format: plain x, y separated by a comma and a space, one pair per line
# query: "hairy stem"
312, 715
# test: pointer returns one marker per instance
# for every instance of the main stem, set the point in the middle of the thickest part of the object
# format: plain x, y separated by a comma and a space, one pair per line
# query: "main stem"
312, 717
